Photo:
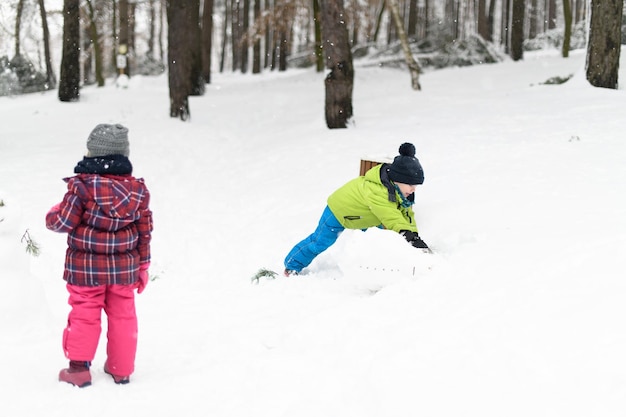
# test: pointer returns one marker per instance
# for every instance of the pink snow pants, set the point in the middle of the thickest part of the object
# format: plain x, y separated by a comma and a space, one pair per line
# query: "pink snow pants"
80, 337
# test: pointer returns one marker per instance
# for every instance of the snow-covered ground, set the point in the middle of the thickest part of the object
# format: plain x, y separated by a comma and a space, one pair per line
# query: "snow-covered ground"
520, 312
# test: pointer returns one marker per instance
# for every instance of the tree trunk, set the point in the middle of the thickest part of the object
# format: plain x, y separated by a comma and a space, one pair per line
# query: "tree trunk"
193, 43
179, 58
124, 38
50, 77
379, 20
256, 46
245, 23
161, 26
481, 20
517, 30
115, 38
551, 20
319, 52
283, 49
506, 26
224, 35
207, 40
567, 34
95, 42
339, 82
414, 67
235, 34
412, 23
18, 24
490, 20
69, 84
151, 36
603, 48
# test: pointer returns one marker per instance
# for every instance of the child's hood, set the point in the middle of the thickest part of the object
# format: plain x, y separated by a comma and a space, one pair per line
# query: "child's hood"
117, 196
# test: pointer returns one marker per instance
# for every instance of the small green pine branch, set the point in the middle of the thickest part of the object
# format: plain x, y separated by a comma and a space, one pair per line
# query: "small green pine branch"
558, 80
269, 274
32, 247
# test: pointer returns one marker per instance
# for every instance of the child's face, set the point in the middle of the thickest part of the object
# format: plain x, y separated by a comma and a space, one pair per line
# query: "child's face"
406, 189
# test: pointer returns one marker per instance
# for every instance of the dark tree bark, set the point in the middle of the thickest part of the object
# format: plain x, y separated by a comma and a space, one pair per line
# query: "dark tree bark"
490, 20
179, 58
567, 33
207, 39
340, 80
283, 49
69, 84
412, 23
224, 35
18, 24
533, 19
51, 80
379, 20
481, 20
603, 49
269, 36
517, 30
317, 20
95, 42
256, 44
124, 35
245, 24
115, 37
193, 43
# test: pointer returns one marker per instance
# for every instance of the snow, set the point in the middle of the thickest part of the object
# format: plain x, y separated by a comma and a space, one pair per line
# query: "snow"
519, 312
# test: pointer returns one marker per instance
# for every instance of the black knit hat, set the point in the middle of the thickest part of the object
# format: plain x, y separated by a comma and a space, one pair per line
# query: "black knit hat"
406, 167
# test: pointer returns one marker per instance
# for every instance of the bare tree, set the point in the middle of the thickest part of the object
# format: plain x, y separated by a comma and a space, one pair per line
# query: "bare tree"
256, 42
194, 38
340, 80
414, 68
245, 24
50, 77
125, 39
69, 84
18, 24
207, 39
567, 34
179, 58
603, 48
517, 30
319, 53
96, 43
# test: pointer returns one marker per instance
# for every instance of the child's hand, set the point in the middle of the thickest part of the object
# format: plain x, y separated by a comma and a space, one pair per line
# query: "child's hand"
414, 239
56, 208
144, 277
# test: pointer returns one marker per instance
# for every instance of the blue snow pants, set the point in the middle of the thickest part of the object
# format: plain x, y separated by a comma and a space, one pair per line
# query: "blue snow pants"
327, 232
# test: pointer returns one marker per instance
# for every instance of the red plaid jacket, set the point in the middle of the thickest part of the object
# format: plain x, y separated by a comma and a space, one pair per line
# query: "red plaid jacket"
109, 226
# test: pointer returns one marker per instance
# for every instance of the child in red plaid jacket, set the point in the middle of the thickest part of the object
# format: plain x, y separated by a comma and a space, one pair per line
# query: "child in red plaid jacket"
106, 215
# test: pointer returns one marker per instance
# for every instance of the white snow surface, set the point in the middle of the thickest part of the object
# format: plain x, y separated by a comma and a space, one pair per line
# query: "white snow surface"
520, 311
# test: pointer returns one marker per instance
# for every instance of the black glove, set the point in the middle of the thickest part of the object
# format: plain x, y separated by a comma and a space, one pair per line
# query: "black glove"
414, 239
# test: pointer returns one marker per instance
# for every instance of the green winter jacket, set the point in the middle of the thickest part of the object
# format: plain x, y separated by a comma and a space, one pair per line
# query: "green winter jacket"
371, 201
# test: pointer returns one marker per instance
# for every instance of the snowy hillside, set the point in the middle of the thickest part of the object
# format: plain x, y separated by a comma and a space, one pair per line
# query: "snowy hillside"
518, 313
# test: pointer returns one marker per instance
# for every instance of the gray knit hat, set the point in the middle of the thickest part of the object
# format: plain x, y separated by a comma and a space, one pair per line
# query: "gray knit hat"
108, 140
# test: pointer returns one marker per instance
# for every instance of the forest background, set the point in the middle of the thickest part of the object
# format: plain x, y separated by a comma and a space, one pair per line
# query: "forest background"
128, 37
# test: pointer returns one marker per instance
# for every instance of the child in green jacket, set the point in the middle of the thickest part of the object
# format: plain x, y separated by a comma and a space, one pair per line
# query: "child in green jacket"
381, 198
